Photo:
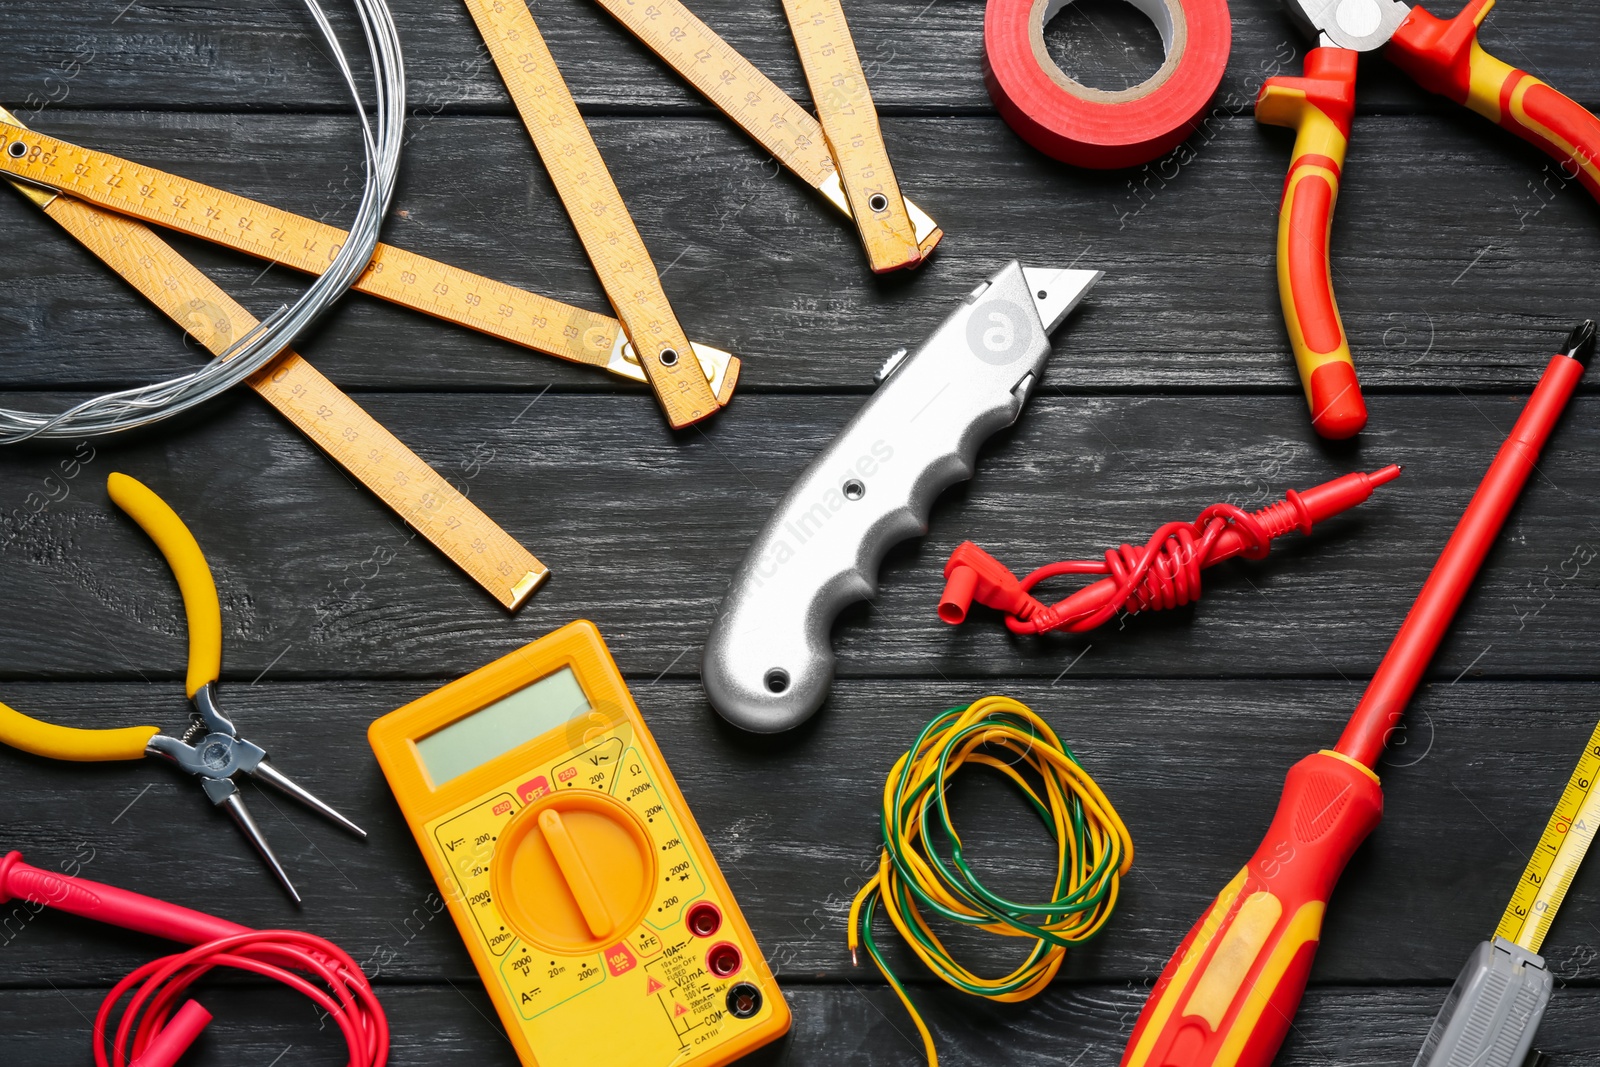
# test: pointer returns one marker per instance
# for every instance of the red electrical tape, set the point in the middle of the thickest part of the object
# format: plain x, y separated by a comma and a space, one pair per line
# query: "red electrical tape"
1093, 127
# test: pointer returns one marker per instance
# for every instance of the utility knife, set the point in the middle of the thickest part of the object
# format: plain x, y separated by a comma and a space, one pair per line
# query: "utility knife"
768, 664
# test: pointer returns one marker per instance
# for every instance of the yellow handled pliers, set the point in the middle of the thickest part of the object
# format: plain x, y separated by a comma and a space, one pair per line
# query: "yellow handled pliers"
211, 748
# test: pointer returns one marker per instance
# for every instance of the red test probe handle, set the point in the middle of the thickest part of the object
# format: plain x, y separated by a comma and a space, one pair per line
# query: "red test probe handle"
1396, 678
108, 904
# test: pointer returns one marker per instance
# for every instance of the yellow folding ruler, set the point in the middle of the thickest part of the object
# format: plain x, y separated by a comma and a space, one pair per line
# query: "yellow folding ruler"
1556, 860
331, 419
842, 157
401, 277
595, 205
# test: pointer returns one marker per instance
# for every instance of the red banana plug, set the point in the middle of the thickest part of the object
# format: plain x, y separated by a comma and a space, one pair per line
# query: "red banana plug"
1165, 573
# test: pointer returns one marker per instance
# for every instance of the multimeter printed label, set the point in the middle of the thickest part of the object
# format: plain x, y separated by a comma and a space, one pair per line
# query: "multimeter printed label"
541, 982
593, 768
686, 993
680, 881
467, 842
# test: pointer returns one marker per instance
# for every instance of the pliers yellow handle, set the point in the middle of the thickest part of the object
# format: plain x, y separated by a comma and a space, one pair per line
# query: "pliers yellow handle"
201, 606
188, 565
211, 748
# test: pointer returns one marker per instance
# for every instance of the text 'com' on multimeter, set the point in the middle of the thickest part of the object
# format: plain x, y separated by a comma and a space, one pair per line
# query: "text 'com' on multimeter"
591, 904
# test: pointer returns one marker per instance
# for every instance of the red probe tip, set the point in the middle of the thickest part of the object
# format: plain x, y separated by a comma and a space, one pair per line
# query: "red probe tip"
1385, 475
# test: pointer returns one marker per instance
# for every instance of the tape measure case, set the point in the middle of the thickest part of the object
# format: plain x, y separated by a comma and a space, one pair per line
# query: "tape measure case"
588, 898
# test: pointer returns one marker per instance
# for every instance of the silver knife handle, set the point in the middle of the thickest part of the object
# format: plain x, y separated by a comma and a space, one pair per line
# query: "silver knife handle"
768, 664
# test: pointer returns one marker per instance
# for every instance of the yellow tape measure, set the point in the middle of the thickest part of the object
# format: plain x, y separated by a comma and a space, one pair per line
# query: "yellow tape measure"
318, 408
395, 275
844, 104
596, 207
751, 99
1555, 861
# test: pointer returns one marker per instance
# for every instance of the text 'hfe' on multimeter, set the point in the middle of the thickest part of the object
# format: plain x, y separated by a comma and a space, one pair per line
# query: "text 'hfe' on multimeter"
601, 925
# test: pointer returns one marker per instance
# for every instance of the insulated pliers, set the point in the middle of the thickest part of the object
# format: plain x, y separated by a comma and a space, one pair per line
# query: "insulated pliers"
1444, 57
211, 748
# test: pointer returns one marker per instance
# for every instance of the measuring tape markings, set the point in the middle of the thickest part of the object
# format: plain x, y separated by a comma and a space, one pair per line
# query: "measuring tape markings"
752, 100
850, 121
1089, 127
396, 275
317, 407
595, 206
1560, 852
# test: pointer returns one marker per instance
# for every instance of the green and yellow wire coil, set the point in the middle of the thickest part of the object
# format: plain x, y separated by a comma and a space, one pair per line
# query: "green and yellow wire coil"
922, 872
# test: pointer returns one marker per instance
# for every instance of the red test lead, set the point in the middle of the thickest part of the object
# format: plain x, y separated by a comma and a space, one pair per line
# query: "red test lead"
160, 1022
1165, 573
1228, 995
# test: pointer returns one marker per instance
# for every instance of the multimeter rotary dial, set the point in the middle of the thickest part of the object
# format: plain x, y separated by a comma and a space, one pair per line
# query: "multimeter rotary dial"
574, 872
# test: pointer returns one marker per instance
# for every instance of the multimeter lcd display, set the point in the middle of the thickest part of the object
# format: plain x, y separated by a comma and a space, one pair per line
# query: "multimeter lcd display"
502, 726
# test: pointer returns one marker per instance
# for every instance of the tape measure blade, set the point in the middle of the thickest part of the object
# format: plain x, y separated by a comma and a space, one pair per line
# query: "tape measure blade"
316, 407
457, 296
596, 208
1556, 859
850, 122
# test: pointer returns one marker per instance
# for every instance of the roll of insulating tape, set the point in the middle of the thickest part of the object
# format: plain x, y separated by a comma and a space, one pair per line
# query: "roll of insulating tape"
1097, 128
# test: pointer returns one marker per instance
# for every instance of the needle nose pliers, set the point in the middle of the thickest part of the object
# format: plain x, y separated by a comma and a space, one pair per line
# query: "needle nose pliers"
1444, 57
211, 748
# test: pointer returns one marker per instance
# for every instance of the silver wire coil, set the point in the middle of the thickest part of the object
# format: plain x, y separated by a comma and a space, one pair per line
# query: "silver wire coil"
382, 134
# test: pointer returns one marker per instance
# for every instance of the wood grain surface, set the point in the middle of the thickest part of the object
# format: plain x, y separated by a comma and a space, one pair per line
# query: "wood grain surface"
1461, 259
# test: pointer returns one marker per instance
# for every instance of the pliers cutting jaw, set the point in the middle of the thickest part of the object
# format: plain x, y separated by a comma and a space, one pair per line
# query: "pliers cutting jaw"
1359, 25
211, 748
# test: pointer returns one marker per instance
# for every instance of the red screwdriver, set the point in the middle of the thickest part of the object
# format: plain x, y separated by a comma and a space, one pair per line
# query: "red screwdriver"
1164, 573
1230, 992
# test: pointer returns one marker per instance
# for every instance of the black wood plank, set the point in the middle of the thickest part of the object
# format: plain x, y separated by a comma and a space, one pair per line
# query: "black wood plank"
920, 56
643, 532
1194, 767
1454, 266
834, 1025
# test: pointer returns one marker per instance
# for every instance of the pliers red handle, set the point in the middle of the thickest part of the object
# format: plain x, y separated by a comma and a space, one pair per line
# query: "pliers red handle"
1441, 55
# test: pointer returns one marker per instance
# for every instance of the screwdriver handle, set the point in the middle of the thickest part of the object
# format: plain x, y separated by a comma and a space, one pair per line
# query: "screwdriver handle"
1229, 993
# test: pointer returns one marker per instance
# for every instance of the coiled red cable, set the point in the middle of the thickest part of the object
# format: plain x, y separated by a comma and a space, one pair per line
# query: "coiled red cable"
158, 1024
1163, 574
304, 962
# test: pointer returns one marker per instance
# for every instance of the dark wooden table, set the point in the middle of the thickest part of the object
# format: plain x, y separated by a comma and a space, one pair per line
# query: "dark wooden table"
1462, 259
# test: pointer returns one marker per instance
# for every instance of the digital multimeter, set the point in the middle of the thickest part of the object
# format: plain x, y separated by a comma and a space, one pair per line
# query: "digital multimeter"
590, 902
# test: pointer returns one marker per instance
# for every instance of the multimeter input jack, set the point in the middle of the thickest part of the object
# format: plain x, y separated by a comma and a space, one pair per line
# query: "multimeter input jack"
724, 960
744, 1001
705, 919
